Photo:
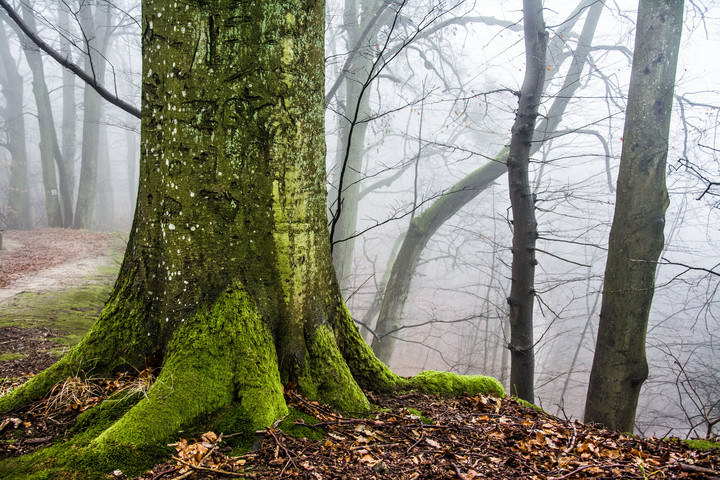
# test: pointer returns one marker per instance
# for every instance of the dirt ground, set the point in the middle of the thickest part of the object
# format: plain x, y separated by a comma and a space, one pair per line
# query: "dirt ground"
40, 261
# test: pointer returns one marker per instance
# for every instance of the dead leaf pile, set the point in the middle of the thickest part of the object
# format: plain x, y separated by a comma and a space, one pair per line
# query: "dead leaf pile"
467, 438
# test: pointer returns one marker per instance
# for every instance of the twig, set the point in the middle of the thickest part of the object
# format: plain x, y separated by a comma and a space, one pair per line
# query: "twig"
695, 469
279, 444
584, 467
205, 469
457, 470
157, 475
572, 440
422, 437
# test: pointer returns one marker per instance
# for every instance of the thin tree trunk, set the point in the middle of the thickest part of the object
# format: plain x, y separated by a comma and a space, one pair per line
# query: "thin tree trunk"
48, 138
69, 121
94, 25
522, 201
18, 215
636, 237
105, 204
353, 128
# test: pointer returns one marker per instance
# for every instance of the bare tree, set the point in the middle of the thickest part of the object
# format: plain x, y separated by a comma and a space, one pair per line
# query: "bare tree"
636, 238
522, 289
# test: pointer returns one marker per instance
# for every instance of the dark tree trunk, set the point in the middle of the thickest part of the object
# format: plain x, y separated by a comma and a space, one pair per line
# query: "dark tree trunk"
48, 138
522, 286
69, 122
636, 237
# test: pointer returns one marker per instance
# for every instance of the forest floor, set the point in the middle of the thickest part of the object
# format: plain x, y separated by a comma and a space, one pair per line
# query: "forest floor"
59, 281
53, 283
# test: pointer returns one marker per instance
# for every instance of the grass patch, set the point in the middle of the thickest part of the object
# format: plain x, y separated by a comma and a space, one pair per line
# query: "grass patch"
11, 356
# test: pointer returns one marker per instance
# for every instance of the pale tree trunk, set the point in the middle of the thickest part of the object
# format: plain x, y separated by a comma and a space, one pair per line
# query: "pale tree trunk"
522, 201
48, 138
636, 237
104, 200
424, 226
227, 281
94, 23
18, 215
69, 117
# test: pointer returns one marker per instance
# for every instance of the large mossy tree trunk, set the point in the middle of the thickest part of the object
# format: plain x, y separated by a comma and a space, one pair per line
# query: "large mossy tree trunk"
636, 237
227, 281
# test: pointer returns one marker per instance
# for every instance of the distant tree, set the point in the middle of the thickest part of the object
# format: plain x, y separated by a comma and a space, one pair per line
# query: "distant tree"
49, 149
96, 25
18, 214
636, 238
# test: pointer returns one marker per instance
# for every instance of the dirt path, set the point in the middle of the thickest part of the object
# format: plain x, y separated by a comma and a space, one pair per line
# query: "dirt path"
50, 259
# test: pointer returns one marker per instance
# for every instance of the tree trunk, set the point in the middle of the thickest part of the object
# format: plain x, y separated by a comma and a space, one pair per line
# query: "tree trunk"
69, 120
424, 226
636, 237
95, 27
227, 281
131, 164
522, 201
104, 200
18, 215
48, 138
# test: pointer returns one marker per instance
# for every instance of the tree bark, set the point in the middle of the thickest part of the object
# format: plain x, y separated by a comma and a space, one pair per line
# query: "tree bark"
424, 226
522, 201
636, 237
18, 215
227, 281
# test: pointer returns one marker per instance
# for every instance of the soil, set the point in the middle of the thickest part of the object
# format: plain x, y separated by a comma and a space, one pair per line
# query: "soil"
33, 344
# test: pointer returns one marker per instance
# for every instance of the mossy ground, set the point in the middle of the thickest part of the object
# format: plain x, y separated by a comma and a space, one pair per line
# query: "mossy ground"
702, 444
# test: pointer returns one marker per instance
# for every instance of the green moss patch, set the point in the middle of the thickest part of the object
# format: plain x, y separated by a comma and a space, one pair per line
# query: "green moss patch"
702, 444
448, 384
